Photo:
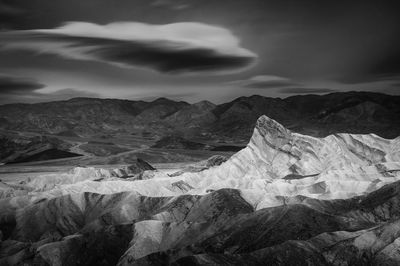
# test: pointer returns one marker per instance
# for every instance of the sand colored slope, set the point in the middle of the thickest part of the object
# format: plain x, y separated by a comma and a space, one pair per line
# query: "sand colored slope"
285, 197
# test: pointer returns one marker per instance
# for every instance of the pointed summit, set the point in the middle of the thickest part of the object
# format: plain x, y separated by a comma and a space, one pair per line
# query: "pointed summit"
271, 130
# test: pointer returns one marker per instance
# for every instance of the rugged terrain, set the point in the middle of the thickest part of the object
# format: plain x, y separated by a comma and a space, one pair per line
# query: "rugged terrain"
285, 199
350, 112
110, 131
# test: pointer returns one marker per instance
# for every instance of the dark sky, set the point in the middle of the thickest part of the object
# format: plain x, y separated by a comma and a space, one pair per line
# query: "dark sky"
196, 49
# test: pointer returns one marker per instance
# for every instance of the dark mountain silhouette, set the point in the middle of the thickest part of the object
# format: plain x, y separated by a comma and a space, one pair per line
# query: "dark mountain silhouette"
349, 112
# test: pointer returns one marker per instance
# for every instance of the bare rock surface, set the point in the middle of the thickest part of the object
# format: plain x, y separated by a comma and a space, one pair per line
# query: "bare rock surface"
213, 161
285, 199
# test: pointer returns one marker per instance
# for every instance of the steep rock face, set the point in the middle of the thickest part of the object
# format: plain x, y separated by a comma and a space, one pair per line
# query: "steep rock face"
292, 153
280, 162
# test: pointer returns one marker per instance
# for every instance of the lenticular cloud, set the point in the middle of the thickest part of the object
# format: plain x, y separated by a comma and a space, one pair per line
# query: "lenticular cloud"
176, 48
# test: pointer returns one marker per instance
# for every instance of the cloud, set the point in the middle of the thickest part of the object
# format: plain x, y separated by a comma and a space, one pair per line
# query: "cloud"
21, 89
35, 96
69, 93
264, 82
18, 85
177, 48
305, 90
396, 84
172, 4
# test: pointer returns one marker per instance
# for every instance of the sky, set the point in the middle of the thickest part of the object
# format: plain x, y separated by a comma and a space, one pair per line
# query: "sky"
195, 50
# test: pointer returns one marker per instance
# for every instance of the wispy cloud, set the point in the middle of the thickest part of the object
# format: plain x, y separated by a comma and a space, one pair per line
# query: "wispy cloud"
69, 93
264, 82
18, 85
172, 4
172, 48
305, 90
22, 89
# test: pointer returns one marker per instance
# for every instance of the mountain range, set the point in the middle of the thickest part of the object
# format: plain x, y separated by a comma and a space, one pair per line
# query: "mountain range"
315, 115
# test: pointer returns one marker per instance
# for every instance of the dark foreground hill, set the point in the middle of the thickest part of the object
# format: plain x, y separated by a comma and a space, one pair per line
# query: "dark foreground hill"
16, 149
350, 112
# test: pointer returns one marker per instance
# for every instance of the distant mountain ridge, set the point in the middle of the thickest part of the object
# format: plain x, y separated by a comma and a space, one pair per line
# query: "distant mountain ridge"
315, 115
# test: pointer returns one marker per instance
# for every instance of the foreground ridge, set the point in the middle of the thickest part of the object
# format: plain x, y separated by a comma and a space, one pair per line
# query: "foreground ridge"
285, 197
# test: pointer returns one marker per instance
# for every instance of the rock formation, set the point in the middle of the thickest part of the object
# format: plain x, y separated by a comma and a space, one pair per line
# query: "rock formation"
285, 199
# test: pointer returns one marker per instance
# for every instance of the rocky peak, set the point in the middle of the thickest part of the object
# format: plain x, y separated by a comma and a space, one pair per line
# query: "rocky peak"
271, 130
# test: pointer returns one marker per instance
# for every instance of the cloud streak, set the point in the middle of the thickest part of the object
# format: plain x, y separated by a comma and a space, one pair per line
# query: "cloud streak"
172, 4
172, 48
17, 85
305, 90
264, 82
21, 89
